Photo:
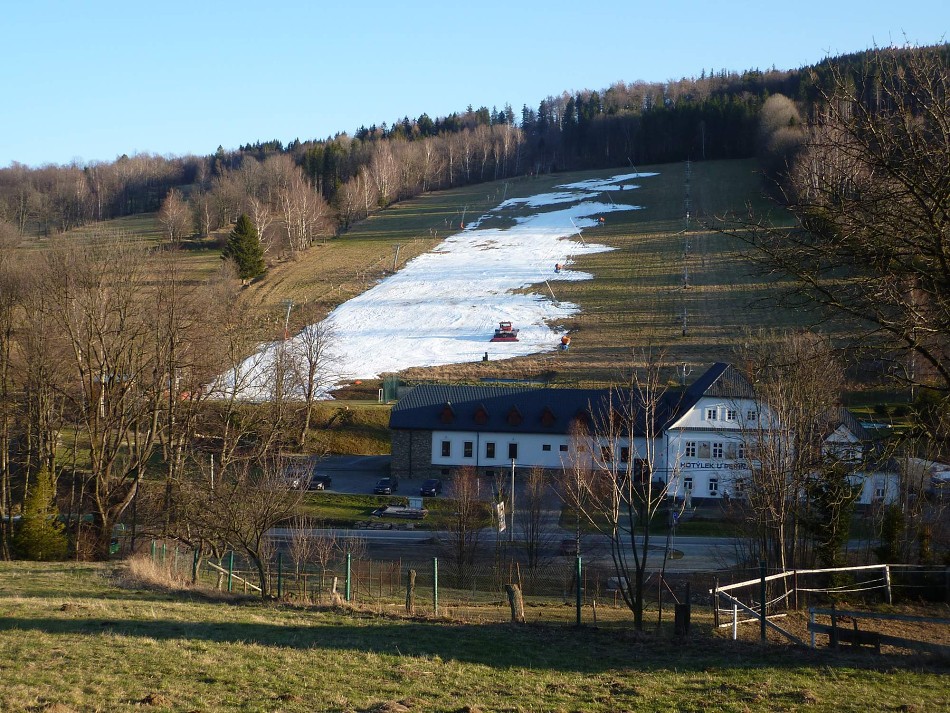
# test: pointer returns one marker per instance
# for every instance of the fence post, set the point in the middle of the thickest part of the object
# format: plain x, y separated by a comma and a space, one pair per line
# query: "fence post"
231, 570
411, 592
811, 624
795, 588
762, 594
887, 582
735, 622
194, 567
280, 575
164, 553
152, 548
579, 593
715, 602
435, 585
349, 590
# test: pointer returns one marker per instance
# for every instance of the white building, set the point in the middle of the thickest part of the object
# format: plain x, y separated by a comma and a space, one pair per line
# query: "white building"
697, 445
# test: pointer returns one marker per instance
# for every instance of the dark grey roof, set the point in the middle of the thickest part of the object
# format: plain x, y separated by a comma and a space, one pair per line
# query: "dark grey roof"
841, 416
721, 380
512, 409
456, 408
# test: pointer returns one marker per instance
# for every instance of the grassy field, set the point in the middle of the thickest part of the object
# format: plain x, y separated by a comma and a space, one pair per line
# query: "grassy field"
92, 638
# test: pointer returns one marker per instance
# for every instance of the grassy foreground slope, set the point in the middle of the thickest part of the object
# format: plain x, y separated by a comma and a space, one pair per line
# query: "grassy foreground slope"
73, 640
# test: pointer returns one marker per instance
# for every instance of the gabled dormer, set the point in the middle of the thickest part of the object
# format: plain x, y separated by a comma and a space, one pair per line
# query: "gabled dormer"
481, 415
548, 418
447, 415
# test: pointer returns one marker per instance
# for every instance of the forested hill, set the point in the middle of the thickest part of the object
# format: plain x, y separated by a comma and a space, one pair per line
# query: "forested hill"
303, 189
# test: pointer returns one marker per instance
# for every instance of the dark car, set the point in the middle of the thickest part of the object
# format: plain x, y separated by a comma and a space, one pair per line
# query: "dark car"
431, 488
386, 486
320, 482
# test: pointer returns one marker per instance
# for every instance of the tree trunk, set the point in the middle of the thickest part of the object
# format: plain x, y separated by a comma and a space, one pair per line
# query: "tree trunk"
516, 602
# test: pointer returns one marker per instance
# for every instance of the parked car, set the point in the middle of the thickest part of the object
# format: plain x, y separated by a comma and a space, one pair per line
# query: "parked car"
386, 486
431, 488
320, 482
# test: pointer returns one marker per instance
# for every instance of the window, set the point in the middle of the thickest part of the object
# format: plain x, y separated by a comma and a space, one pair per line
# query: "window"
717, 450
740, 451
703, 449
879, 491
688, 484
489, 450
740, 485
751, 415
732, 415
545, 446
711, 414
562, 448
690, 450
731, 450
489, 474
446, 449
714, 486
467, 449
624, 454
512, 451
606, 454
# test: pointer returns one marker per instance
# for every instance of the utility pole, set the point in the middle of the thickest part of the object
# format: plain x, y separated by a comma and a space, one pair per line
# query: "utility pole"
511, 533
290, 305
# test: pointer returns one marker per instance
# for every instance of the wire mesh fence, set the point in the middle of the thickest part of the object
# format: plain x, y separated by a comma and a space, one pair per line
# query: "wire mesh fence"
440, 586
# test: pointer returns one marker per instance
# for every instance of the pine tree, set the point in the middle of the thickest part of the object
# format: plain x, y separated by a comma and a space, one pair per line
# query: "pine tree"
244, 247
41, 536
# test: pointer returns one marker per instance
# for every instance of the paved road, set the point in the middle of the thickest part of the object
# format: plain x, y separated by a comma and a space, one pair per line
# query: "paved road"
691, 554
358, 474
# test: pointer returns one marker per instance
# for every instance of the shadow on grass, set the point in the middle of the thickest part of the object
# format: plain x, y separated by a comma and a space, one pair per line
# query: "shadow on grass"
583, 651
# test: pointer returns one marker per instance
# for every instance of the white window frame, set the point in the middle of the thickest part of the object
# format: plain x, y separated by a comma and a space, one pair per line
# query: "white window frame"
716, 450
714, 486
732, 415
688, 483
712, 413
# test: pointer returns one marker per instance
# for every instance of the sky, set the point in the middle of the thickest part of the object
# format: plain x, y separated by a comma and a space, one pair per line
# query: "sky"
90, 80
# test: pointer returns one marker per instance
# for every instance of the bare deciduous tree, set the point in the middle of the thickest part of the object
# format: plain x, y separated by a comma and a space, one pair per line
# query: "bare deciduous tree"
797, 386
464, 526
869, 192
621, 498
175, 216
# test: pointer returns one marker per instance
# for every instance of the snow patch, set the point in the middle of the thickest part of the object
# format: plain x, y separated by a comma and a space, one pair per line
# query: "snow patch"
443, 306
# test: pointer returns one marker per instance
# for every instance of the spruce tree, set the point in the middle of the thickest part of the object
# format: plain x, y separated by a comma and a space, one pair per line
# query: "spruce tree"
244, 247
40, 536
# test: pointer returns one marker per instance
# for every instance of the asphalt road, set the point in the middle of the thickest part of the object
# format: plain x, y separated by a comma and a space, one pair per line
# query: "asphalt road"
358, 474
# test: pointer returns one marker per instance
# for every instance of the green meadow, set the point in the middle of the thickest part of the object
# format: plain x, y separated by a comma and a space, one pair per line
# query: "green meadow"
83, 637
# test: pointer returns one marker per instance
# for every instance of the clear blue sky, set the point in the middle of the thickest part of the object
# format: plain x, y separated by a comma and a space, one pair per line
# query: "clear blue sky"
91, 80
